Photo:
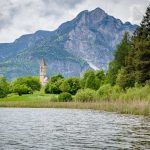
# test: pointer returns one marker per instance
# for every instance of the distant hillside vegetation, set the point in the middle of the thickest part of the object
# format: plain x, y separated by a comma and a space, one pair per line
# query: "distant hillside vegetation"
87, 41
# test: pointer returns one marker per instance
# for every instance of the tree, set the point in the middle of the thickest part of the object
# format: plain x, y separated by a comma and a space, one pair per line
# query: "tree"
4, 87
65, 87
142, 48
92, 82
124, 79
111, 74
53, 86
84, 78
26, 85
74, 83
22, 89
31, 82
56, 78
122, 51
137, 66
119, 61
100, 74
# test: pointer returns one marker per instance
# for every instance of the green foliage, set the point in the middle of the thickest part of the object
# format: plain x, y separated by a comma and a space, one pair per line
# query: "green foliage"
122, 51
84, 78
124, 80
31, 82
131, 62
53, 86
4, 87
119, 61
115, 93
56, 78
25, 85
58, 84
65, 87
142, 60
65, 97
86, 95
104, 92
22, 89
100, 74
128, 72
138, 60
136, 93
90, 80
112, 73
74, 83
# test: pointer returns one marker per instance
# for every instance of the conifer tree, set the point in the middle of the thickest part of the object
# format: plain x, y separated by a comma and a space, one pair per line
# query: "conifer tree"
138, 61
142, 48
119, 59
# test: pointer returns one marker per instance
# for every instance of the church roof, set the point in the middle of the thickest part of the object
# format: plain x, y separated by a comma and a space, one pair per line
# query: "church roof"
42, 62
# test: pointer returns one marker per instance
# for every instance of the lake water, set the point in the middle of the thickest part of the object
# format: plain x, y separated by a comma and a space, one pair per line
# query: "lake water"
71, 129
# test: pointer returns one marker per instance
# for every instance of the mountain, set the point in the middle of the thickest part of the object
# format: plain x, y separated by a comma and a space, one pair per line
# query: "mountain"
87, 41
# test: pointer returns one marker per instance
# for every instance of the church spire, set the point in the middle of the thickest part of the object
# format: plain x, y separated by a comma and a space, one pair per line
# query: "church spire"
42, 71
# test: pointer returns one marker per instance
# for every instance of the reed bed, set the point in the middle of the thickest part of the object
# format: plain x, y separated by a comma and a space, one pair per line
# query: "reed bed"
124, 107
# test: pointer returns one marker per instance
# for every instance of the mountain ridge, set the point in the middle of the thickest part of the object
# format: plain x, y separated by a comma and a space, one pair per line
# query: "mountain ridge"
85, 42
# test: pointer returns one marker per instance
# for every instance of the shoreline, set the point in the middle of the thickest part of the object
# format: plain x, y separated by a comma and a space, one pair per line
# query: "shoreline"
138, 107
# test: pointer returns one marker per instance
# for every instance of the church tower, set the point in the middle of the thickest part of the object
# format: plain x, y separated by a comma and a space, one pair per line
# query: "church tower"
42, 71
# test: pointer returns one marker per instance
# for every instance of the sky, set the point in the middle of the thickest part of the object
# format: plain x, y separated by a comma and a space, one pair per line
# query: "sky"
18, 17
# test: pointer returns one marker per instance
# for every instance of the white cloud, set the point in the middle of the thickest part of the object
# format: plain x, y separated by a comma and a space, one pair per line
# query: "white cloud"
19, 17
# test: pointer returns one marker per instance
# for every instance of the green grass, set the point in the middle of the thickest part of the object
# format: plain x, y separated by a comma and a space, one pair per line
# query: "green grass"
39, 100
28, 97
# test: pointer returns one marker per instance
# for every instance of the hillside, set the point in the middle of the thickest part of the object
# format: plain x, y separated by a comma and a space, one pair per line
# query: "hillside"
87, 41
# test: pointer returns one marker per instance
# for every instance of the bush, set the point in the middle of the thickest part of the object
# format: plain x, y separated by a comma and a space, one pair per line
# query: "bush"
100, 74
3, 93
65, 97
86, 74
105, 92
136, 93
74, 83
33, 83
116, 92
4, 87
52, 88
86, 95
30, 82
65, 87
22, 89
90, 80
56, 78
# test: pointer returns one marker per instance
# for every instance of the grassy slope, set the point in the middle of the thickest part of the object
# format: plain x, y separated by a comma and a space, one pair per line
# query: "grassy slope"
38, 100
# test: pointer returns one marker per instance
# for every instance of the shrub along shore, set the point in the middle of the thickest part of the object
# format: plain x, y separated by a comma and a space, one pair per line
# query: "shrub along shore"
134, 106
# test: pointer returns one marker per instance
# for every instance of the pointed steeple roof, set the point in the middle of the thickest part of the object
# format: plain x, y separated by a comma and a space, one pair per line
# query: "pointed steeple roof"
42, 62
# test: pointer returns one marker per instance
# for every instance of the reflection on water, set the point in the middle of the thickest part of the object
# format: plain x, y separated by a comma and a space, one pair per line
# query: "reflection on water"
68, 129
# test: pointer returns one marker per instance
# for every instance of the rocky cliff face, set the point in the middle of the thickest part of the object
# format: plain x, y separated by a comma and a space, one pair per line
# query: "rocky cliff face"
87, 41
95, 36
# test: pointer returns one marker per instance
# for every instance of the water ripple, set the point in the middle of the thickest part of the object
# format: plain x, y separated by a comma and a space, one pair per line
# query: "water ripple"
67, 129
